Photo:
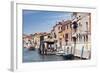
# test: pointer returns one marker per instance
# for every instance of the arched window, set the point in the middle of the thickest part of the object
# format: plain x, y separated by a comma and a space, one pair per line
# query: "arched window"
54, 35
67, 26
80, 24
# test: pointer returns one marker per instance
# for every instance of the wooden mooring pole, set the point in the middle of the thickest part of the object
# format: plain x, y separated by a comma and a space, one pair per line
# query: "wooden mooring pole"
82, 51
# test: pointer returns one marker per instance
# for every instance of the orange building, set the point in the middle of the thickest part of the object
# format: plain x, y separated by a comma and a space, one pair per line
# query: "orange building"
62, 33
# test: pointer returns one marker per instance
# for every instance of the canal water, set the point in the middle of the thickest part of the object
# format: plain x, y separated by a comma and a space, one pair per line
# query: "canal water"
34, 56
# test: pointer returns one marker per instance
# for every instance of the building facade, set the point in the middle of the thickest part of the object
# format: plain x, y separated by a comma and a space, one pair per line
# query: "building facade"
62, 33
81, 31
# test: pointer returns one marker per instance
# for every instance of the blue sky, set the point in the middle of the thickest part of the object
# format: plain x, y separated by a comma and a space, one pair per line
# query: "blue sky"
42, 21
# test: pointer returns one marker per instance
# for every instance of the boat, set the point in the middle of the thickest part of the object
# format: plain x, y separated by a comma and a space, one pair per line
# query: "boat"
31, 48
68, 56
60, 52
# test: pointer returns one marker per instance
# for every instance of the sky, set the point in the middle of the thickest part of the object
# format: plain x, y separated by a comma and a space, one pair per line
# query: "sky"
42, 21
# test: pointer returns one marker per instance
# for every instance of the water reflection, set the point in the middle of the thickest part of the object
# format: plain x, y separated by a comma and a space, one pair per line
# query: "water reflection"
34, 56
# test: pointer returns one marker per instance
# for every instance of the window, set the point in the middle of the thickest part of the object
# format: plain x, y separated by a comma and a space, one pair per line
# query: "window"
63, 27
86, 23
63, 36
87, 37
70, 25
80, 24
59, 28
54, 35
79, 16
66, 36
67, 26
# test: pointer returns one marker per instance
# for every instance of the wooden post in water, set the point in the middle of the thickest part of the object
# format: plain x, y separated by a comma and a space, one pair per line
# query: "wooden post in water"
71, 50
82, 52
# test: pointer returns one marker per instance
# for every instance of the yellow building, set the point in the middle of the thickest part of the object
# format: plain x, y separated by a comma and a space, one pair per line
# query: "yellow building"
62, 31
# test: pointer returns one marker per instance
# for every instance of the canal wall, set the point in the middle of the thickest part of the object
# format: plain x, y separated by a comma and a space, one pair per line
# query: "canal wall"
82, 50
